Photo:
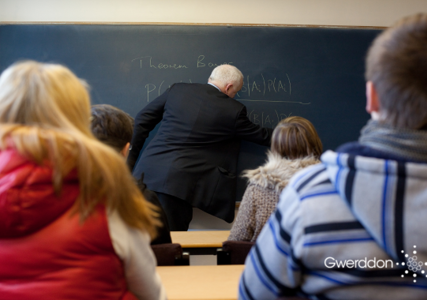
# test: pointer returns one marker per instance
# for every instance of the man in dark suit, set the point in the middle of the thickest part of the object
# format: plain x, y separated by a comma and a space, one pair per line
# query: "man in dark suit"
192, 159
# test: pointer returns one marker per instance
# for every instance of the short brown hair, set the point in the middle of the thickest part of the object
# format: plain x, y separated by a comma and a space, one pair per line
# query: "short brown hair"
111, 125
296, 137
397, 66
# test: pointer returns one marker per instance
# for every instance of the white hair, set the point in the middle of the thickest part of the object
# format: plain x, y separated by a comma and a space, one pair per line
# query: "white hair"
226, 74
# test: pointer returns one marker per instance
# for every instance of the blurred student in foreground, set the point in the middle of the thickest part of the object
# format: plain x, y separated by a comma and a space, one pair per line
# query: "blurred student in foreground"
114, 127
294, 145
353, 227
73, 225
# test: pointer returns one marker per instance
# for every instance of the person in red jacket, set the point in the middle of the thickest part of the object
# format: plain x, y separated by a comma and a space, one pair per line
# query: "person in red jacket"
73, 224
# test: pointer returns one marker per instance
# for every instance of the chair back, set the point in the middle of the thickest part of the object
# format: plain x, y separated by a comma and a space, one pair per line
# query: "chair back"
233, 252
170, 254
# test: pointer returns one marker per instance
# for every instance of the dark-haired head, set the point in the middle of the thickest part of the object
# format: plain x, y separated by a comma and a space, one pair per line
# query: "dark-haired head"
112, 126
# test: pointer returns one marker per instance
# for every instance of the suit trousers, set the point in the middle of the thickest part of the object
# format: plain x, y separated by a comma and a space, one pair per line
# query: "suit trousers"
179, 213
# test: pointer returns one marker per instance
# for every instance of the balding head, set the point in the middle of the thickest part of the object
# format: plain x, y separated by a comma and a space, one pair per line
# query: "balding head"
228, 79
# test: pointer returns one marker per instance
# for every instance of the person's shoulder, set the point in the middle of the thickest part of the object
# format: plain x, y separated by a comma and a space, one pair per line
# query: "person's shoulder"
233, 105
194, 88
302, 199
237, 103
308, 178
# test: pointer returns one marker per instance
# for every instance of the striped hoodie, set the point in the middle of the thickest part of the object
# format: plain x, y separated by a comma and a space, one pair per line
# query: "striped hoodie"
353, 227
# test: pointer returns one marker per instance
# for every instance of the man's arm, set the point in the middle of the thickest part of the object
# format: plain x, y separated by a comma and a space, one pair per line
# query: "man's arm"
271, 268
145, 121
246, 130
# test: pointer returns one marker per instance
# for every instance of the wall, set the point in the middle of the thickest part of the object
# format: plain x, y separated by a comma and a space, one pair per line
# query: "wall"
299, 12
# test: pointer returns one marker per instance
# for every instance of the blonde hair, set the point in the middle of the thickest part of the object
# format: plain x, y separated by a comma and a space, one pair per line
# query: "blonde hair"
296, 137
44, 114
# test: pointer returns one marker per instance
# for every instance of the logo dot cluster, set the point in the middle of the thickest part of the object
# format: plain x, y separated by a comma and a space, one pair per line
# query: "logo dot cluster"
413, 264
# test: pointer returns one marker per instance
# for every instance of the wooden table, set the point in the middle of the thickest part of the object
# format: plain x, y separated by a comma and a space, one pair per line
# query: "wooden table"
201, 282
200, 242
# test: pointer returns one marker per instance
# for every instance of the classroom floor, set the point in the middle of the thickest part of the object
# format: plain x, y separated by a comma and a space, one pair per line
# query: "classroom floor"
202, 260
205, 221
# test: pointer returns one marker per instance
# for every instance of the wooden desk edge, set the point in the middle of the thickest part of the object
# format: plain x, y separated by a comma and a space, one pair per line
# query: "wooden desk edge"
182, 237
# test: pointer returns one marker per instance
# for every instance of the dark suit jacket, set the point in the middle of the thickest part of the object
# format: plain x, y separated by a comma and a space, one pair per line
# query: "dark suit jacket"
194, 153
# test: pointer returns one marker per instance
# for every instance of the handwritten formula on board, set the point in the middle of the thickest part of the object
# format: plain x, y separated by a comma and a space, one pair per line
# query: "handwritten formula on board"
261, 87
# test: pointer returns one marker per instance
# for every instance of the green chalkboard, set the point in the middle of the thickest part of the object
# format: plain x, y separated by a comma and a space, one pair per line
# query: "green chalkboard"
316, 73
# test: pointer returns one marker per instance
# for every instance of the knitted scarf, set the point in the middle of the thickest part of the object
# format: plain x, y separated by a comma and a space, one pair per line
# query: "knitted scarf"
407, 143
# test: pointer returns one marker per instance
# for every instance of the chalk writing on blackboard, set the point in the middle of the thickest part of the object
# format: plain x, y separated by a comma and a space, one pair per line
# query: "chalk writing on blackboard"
148, 61
267, 85
201, 64
251, 88
256, 88
265, 119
